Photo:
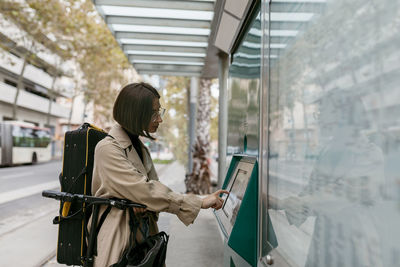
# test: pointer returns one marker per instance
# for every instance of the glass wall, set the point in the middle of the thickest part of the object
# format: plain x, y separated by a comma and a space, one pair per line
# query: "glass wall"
243, 90
332, 158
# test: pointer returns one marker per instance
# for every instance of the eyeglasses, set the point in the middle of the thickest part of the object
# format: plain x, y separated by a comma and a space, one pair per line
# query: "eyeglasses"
158, 114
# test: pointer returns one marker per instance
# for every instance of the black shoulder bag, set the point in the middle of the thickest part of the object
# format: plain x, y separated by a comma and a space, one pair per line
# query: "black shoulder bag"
151, 252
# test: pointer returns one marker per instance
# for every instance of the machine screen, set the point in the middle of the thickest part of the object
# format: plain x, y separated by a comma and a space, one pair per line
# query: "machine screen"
237, 187
237, 190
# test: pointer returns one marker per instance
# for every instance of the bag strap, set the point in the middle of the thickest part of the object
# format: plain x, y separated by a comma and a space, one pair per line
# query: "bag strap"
100, 223
81, 174
58, 219
135, 225
103, 218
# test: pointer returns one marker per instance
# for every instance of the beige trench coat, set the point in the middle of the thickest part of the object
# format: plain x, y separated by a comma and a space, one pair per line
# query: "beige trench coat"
124, 176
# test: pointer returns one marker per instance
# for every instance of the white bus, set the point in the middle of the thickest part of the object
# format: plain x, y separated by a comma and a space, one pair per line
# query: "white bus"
22, 142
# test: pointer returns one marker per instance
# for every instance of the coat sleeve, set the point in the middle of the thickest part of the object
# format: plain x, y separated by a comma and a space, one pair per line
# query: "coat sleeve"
115, 176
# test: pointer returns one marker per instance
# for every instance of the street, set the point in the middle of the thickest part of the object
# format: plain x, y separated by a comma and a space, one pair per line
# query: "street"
27, 235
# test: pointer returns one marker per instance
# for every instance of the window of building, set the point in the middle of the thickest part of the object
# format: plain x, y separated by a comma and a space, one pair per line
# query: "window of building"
12, 83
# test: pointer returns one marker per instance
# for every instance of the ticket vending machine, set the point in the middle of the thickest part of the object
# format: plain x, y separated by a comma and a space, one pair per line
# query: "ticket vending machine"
238, 216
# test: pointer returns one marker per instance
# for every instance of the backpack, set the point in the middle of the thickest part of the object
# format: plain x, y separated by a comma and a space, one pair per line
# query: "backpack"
76, 245
76, 178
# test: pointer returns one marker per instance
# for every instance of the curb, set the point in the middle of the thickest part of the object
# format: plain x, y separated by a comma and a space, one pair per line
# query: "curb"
46, 259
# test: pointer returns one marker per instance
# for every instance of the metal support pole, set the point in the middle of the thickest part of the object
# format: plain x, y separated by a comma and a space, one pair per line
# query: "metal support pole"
194, 84
222, 116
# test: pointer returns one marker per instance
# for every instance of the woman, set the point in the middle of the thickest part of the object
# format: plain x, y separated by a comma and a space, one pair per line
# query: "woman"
123, 169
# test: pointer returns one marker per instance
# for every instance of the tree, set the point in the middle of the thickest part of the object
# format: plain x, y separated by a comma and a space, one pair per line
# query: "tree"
77, 32
198, 181
174, 129
22, 45
20, 79
214, 114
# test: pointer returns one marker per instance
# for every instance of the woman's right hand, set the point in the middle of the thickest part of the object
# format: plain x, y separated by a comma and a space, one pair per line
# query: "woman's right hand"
213, 200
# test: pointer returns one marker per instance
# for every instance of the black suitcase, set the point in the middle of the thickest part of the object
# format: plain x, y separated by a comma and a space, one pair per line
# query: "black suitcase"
76, 178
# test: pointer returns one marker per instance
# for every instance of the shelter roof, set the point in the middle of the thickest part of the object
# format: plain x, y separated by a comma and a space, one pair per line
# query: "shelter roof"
165, 37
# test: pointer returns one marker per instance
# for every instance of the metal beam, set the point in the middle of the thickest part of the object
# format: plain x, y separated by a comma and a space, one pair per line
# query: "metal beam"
170, 73
161, 67
166, 58
170, 4
183, 23
194, 85
161, 36
222, 116
162, 48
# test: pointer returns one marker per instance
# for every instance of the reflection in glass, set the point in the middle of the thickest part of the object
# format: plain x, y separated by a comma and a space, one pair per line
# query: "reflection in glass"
244, 82
334, 133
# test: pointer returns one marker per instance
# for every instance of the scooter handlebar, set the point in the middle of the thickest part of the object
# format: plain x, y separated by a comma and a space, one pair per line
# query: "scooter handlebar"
64, 196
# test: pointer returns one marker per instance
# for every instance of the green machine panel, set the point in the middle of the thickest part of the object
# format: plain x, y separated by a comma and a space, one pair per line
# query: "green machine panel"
238, 216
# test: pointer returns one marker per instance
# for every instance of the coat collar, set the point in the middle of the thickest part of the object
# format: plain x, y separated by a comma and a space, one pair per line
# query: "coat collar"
125, 142
120, 135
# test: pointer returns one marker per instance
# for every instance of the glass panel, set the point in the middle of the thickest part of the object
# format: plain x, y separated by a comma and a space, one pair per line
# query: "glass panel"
42, 138
334, 133
17, 135
29, 137
243, 88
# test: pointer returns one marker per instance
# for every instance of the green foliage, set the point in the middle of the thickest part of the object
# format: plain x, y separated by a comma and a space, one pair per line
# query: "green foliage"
162, 161
173, 130
214, 116
77, 32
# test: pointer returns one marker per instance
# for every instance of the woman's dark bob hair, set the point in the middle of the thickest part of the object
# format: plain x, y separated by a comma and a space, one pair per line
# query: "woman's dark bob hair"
133, 108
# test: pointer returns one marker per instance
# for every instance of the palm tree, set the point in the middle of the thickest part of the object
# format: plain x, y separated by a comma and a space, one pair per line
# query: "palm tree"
198, 182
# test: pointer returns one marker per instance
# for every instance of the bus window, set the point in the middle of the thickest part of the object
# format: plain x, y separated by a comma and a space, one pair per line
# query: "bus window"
29, 137
42, 138
17, 135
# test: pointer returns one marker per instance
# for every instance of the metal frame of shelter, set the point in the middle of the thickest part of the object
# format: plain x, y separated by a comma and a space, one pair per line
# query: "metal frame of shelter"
164, 37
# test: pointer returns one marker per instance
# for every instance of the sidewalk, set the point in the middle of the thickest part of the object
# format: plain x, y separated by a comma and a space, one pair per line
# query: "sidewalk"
198, 245
28, 246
